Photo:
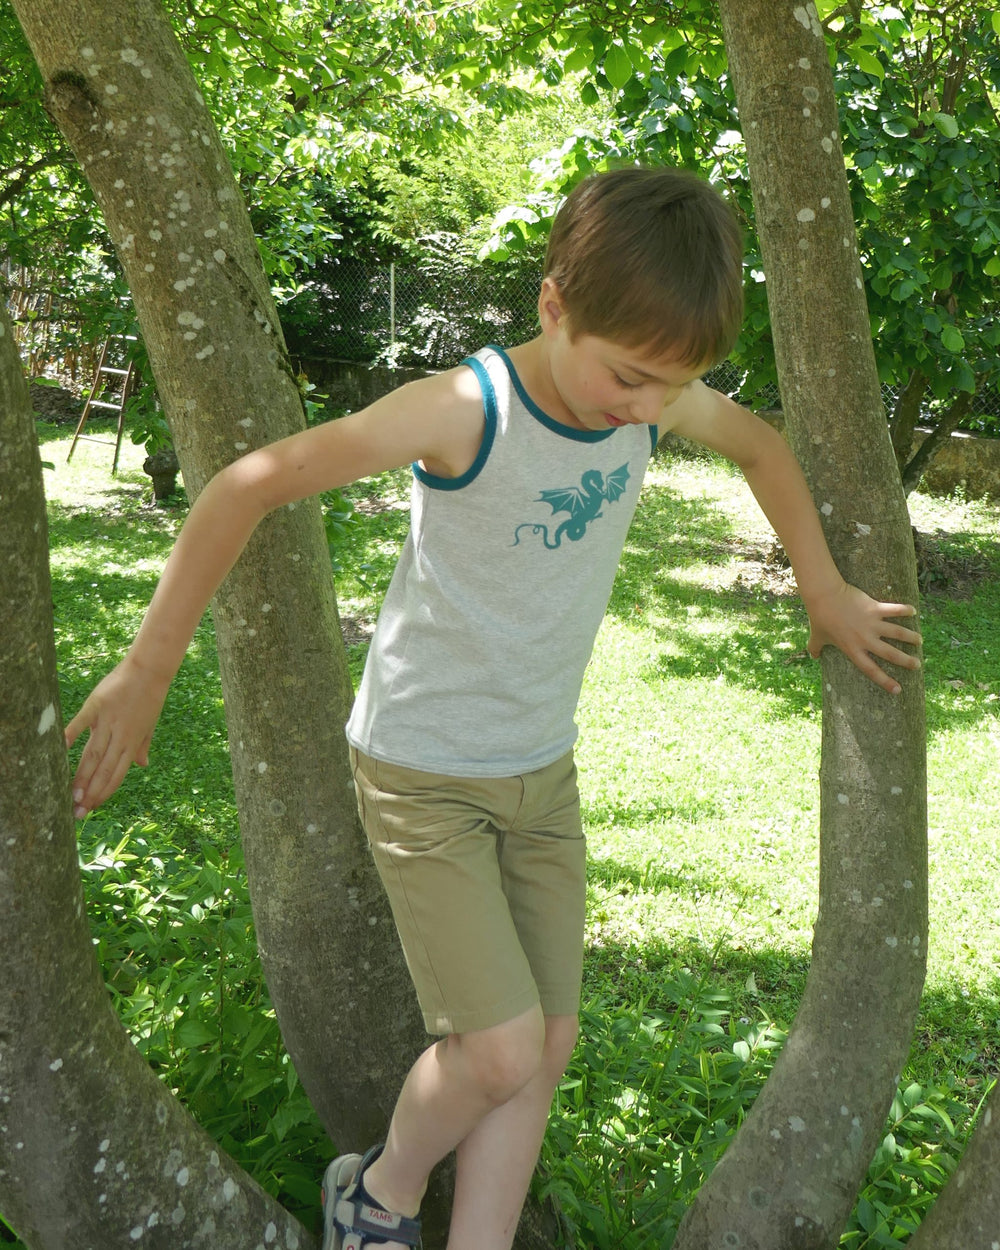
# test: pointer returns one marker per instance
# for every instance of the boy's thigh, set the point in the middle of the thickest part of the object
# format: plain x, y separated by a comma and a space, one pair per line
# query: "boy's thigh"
484, 937
544, 873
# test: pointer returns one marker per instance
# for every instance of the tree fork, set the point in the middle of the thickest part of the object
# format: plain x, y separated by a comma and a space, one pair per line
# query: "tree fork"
789, 1179
94, 1150
120, 89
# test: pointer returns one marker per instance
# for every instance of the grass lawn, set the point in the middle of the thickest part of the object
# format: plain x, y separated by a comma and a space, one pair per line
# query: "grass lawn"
699, 755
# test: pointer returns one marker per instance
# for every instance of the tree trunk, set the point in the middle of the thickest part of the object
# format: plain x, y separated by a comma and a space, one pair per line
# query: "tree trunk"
790, 1177
906, 415
120, 89
967, 1214
95, 1153
946, 426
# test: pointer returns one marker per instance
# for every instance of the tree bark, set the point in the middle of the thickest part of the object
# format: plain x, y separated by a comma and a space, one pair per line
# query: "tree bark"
790, 1177
906, 415
121, 91
947, 424
95, 1152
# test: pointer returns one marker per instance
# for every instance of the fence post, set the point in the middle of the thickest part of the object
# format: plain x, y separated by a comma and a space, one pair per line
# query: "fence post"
392, 303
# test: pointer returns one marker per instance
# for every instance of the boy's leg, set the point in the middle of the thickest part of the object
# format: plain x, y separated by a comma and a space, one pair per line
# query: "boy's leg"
454, 1085
468, 909
496, 1160
486, 1094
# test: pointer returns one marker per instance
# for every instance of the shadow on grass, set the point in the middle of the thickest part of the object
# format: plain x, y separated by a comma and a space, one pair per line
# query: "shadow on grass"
957, 1032
764, 632
677, 1041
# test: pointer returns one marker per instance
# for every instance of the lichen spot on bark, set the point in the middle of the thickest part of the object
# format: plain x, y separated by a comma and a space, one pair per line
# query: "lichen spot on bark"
806, 214
47, 719
796, 1124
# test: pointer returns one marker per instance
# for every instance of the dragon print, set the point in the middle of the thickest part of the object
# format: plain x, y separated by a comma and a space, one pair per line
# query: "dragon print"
583, 503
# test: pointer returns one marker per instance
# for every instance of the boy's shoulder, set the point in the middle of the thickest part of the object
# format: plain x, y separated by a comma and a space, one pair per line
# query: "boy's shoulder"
451, 404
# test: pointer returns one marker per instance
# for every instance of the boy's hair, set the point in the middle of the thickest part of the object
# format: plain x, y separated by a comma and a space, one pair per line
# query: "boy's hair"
650, 258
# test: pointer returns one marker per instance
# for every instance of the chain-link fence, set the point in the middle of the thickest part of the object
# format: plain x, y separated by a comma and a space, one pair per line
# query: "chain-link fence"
427, 315
432, 315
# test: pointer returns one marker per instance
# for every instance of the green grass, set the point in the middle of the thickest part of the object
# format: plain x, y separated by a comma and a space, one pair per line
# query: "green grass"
699, 754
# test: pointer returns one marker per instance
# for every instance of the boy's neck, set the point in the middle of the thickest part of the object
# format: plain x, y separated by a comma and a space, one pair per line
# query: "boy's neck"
531, 361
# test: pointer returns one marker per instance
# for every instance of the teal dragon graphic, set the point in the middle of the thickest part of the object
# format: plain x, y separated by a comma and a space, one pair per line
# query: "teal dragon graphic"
583, 503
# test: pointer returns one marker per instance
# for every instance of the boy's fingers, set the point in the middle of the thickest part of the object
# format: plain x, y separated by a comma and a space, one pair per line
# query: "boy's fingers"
903, 658
76, 727
103, 782
878, 675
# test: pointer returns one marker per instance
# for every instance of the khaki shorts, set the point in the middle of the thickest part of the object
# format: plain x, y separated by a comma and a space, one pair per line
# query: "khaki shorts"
487, 882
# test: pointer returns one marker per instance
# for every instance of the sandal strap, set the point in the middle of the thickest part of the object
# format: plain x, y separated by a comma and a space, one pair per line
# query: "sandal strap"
355, 1216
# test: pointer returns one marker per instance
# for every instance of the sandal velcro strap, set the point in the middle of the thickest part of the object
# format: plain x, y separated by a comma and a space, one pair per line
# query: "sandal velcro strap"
356, 1216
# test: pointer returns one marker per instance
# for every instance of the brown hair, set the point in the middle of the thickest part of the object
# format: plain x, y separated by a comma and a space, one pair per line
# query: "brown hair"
650, 258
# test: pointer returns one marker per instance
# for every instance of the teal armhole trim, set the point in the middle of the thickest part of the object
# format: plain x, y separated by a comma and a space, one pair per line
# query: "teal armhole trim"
557, 427
489, 434
654, 437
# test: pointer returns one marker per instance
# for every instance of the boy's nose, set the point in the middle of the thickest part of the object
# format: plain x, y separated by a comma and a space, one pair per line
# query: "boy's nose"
648, 408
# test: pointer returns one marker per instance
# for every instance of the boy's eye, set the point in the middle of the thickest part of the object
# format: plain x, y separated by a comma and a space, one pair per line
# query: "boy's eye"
629, 386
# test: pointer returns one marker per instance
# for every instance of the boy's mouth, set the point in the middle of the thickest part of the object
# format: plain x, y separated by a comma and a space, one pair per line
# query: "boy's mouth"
612, 420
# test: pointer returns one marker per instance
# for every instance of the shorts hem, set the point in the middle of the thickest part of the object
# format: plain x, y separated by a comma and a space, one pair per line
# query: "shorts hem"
441, 1023
560, 1001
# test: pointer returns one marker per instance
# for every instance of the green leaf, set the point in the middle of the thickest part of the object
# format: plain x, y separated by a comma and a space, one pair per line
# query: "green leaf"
194, 1032
947, 124
952, 340
995, 20
581, 57
869, 63
992, 267
964, 377
617, 66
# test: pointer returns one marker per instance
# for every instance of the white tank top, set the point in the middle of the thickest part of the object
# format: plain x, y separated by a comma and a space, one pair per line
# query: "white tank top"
478, 657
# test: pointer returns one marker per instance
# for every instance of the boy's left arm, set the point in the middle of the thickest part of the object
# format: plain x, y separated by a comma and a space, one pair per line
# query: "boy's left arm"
840, 615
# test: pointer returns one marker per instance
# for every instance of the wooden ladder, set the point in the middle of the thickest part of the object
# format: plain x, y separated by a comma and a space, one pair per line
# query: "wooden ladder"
129, 379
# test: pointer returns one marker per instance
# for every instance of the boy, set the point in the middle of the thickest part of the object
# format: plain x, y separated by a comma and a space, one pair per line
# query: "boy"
526, 470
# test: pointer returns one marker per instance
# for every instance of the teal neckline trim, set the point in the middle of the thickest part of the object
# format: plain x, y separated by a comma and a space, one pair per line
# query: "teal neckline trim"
489, 434
550, 423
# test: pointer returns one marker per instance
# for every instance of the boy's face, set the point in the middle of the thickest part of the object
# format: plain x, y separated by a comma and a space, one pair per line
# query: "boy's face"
602, 384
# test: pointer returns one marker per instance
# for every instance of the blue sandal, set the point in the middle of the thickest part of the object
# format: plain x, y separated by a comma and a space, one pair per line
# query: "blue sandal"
352, 1219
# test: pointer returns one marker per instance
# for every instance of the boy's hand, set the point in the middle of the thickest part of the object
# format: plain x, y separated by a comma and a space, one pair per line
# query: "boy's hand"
849, 619
121, 714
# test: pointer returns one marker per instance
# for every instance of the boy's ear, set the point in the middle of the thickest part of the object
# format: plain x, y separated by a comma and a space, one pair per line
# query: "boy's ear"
551, 310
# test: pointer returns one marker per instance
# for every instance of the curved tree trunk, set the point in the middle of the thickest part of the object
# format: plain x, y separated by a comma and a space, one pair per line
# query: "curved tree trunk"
119, 87
121, 91
790, 1177
94, 1151
947, 424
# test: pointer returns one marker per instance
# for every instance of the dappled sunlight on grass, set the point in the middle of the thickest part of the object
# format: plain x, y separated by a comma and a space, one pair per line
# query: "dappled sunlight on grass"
699, 759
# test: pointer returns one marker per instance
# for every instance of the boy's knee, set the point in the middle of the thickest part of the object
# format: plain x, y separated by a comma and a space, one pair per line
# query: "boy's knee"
503, 1059
561, 1033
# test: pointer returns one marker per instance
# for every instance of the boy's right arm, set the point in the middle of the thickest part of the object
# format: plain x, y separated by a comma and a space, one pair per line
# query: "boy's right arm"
437, 419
